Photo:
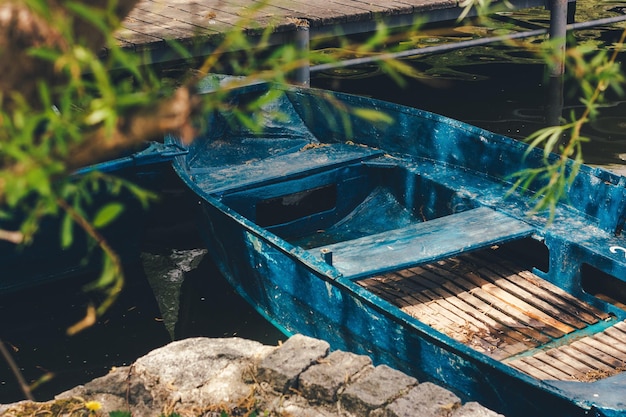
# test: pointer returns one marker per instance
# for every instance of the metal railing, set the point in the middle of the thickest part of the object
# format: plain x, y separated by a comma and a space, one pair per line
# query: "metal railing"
460, 45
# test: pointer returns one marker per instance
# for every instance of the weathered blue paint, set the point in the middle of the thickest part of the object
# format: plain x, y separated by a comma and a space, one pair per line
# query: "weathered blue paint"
427, 181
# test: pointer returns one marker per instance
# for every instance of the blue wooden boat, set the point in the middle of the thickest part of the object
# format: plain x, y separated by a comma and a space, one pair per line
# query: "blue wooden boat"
401, 241
45, 260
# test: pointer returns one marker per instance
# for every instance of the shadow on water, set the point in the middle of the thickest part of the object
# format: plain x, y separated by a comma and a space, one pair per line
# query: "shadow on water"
33, 323
210, 307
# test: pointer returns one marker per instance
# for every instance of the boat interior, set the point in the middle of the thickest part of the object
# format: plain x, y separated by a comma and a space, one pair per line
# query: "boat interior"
465, 270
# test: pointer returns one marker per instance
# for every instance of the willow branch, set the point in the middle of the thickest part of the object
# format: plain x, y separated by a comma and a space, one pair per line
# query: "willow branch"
16, 371
12, 236
92, 313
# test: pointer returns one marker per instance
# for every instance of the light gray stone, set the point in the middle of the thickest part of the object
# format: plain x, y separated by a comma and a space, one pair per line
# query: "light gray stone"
474, 409
425, 400
202, 370
296, 405
321, 381
189, 373
375, 389
282, 367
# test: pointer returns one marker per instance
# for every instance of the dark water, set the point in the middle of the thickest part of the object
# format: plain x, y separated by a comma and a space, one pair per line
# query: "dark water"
33, 323
500, 88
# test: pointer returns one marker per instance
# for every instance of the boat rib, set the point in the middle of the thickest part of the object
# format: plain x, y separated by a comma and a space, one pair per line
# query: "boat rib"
495, 307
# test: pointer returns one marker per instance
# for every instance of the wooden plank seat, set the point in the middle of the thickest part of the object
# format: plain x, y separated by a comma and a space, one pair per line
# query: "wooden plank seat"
509, 313
293, 163
424, 242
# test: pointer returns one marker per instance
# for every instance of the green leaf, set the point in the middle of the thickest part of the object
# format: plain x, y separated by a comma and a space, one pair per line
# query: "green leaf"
67, 230
374, 116
107, 214
119, 414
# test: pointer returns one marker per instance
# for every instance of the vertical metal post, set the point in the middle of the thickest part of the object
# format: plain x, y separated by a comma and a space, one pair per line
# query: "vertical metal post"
558, 34
561, 13
302, 75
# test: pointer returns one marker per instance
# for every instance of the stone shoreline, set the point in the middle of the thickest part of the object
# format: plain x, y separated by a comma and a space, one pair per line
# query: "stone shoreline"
301, 377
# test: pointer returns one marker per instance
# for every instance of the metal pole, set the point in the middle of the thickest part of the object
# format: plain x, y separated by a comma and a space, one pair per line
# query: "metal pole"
301, 41
558, 35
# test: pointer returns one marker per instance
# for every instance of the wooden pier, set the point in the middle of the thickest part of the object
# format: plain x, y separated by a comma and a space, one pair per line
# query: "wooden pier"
200, 25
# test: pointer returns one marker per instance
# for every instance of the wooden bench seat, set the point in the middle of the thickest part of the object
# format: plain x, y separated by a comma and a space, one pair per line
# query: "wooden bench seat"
283, 166
423, 242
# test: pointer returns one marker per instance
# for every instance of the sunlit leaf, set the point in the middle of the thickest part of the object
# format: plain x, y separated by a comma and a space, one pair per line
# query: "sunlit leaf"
372, 115
107, 214
67, 230
87, 321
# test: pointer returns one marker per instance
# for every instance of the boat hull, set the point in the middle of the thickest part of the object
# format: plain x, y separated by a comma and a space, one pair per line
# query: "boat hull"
298, 216
298, 299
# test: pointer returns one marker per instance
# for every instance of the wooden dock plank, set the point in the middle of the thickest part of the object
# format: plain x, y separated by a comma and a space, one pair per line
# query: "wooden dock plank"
188, 14
173, 28
144, 30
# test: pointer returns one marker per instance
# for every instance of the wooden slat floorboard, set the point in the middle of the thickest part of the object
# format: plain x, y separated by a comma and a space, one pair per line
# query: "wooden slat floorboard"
484, 308
580, 308
509, 313
474, 308
519, 317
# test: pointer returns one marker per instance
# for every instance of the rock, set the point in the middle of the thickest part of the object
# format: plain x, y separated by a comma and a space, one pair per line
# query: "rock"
192, 372
430, 399
322, 381
474, 409
374, 389
204, 376
283, 366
